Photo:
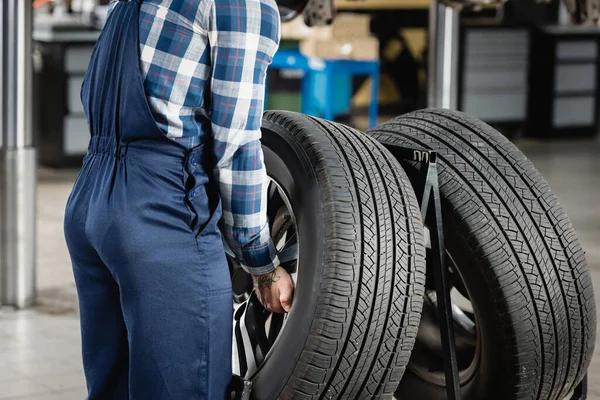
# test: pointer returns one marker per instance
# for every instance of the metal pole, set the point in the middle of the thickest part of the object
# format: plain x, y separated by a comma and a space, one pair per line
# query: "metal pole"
2, 96
17, 158
443, 55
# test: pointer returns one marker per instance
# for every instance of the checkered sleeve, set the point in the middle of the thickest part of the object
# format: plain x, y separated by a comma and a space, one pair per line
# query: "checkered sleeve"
243, 36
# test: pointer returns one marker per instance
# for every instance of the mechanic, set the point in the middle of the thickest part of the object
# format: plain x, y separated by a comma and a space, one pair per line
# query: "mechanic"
174, 99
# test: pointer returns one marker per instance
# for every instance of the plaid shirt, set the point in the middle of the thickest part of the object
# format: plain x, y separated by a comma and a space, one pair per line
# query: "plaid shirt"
204, 65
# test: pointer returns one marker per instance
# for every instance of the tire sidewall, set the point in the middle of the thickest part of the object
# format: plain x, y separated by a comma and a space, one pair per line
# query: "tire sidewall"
289, 165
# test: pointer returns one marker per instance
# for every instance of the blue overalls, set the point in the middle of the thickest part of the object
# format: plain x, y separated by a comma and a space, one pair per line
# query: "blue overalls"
141, 226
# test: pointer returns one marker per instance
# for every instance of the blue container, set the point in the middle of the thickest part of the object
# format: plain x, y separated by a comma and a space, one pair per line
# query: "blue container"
342, 98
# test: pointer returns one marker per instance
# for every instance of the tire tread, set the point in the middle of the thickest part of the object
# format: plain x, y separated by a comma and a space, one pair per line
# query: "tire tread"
367, 319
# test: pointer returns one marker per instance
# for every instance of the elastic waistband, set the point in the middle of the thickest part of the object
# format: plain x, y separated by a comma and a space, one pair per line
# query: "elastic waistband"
151, 149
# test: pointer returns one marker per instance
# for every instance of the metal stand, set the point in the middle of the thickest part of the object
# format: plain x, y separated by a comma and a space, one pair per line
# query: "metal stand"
431, 213
17, 157
442, 71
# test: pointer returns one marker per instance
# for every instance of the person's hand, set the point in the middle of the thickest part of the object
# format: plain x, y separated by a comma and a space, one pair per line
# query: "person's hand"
275, 290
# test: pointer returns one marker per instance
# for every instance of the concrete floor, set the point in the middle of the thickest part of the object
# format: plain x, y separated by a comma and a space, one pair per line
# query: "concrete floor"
39, 349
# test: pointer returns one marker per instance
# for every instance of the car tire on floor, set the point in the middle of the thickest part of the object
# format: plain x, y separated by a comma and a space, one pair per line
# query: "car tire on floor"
514, 256
360, 268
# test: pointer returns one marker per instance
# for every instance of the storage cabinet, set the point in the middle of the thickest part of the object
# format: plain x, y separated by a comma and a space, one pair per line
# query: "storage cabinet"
564, 82
493, 73
60, 125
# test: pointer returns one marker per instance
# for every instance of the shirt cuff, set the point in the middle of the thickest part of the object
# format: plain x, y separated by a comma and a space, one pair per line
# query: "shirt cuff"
258, 260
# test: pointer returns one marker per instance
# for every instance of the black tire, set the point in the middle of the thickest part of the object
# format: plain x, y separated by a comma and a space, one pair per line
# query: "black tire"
516, 253
361, 268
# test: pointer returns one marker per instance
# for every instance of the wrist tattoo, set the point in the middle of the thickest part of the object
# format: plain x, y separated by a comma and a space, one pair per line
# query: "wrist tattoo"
265, 281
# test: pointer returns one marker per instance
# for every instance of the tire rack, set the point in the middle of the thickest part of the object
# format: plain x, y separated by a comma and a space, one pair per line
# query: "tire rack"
431, 211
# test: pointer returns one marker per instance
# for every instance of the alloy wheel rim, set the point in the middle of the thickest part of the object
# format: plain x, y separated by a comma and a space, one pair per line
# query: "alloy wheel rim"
427, 358
255, 330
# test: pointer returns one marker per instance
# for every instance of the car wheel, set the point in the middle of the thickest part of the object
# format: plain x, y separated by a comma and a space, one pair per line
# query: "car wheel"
347, 226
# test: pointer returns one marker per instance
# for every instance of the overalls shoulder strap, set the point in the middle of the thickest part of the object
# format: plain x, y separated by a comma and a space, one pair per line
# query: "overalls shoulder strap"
113, 93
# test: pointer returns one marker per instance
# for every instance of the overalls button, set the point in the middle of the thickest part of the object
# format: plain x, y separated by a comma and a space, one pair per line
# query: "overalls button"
194, 161
192, 193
